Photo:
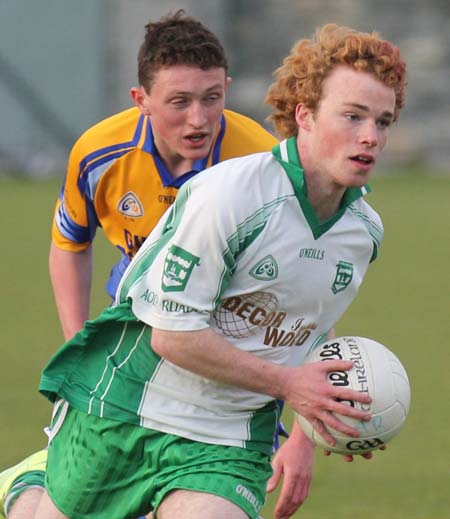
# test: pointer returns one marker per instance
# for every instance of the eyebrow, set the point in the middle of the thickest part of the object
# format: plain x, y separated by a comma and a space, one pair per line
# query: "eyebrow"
209, 89
365, 108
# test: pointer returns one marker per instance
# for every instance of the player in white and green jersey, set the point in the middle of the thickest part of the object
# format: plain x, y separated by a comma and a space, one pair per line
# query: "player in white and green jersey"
248, 273
167, 401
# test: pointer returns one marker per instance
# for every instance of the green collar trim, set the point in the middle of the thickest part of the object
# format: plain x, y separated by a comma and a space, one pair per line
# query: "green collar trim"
286, 154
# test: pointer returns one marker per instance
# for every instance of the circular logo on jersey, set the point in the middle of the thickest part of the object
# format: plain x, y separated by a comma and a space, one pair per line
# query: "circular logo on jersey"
130, 205
244, 315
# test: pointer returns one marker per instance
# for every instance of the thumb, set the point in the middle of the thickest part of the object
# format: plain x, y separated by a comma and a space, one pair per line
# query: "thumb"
272, 482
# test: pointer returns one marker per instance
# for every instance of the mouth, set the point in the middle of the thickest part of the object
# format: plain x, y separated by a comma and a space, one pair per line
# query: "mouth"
363, 160
196, 138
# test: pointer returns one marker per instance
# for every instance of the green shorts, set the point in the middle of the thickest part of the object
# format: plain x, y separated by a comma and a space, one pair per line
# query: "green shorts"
101, 468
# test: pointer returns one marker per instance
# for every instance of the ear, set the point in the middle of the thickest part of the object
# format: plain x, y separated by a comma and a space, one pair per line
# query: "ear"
141, 99
303, 116
228, 81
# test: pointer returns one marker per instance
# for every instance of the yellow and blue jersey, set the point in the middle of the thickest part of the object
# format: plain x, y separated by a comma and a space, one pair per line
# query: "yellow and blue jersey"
116, 180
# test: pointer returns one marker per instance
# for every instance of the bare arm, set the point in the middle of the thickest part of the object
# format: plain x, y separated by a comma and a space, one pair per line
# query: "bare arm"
293, 465
71, 277
305, 388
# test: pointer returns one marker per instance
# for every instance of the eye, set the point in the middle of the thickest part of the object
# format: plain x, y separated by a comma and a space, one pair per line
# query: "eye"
179, 102
352, 117
384, 123
213, 97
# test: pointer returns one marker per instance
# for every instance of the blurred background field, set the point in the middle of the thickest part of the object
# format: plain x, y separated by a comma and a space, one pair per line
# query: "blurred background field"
404, 304
65, 65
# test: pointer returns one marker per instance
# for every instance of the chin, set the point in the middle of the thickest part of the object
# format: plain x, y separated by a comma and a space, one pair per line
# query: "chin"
197, 153
359, 179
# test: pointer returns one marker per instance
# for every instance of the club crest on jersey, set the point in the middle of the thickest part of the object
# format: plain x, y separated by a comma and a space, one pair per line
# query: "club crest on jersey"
130, 205
344, 275
266, 269
178, 268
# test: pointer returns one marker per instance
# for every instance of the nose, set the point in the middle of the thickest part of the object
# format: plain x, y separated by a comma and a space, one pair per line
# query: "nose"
369, 134
197, 115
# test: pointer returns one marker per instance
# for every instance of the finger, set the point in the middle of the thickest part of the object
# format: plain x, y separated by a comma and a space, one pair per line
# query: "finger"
348, 410
322, 430
350, 395
336, 365
327, 419
272, 482
346, 457
284, 503
367, 455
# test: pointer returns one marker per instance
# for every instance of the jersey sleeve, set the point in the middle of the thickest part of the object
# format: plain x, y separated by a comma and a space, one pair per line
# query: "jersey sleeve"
176, 281
73, 227
375, 228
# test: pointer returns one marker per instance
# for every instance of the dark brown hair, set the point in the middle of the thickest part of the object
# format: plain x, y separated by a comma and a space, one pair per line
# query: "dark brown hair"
178, 39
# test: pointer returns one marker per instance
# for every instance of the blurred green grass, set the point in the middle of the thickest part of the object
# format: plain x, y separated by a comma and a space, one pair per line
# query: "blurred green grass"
404, 303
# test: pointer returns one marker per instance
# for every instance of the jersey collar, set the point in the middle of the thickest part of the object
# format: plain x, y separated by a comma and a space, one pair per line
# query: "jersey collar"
286, 154
199, 165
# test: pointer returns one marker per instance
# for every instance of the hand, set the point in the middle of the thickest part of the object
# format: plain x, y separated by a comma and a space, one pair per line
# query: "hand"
349, 457
293, 462
309, 392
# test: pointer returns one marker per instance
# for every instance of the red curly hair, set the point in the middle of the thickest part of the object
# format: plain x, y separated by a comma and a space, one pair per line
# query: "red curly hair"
300, 78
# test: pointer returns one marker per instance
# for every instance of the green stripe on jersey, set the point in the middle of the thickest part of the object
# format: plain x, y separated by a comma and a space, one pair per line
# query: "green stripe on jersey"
109, 359
261, 426
246, 233
147, 254
375, 231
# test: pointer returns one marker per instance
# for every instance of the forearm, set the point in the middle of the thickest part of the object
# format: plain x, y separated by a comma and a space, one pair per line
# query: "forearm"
210, 355
305, 388
71, 277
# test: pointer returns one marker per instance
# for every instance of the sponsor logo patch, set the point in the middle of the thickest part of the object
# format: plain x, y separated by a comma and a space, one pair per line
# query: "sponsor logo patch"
178, 268
344, 275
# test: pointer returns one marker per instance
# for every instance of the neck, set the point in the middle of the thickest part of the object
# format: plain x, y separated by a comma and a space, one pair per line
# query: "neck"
175, 163
324, 195
179, 166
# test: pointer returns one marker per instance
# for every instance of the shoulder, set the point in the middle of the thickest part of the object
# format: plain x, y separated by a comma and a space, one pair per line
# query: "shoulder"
244, 135
243, 180
118, 129
370, 220
235, 198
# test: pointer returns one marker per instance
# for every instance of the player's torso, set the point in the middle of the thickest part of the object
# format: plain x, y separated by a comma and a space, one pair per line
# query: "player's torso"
291, 286
132, 192
130, 199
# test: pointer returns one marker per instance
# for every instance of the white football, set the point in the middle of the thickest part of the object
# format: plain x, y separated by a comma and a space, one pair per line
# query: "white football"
376, 371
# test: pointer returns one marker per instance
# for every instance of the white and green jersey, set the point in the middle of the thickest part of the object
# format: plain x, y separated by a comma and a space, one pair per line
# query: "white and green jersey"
241, 251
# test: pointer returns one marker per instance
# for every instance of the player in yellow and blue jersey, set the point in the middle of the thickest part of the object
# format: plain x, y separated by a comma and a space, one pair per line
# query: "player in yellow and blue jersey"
117, 179
124, 172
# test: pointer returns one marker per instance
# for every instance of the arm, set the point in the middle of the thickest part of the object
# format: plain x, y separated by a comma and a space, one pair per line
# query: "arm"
304, 388
294, 463
71, 277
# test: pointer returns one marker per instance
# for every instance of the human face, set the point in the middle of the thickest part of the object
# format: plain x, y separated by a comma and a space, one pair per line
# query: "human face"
185, 104
341, 140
